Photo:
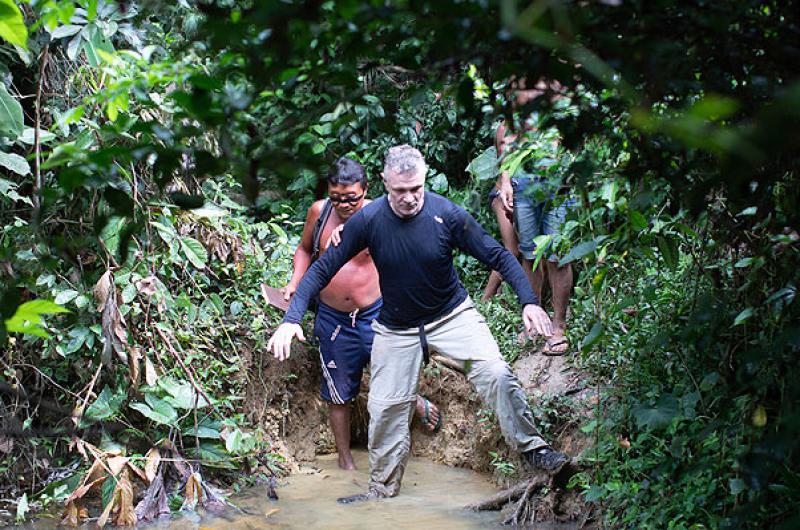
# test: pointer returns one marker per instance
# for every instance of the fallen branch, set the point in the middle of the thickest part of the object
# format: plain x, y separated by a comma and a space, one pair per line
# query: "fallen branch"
497, 501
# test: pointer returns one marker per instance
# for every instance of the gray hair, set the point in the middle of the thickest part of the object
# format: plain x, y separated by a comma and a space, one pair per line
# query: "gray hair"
404, 160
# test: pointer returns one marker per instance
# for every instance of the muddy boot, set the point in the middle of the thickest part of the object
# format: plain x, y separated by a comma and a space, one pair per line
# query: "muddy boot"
545, 459
371, 495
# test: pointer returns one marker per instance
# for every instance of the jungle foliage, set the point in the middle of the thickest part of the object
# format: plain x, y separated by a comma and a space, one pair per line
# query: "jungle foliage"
158, 156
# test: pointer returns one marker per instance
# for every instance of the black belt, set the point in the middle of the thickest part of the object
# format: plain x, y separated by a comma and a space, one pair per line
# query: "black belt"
423, 341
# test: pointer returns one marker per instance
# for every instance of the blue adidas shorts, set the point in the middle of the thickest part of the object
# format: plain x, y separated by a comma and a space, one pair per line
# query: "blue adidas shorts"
345, 344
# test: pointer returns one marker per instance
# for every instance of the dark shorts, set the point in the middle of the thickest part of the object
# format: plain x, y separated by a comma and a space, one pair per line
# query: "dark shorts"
345, 344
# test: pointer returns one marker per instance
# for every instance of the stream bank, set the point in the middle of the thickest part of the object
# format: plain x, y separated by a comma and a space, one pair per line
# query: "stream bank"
283, 399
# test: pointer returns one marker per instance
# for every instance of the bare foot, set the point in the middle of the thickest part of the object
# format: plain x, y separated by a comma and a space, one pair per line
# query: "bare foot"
346, 461
430, 418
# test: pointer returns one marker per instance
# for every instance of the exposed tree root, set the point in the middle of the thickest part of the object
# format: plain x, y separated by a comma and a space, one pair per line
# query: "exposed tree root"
497, 501
537, 499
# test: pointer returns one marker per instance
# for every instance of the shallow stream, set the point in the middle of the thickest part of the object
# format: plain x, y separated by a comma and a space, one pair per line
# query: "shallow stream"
433, 496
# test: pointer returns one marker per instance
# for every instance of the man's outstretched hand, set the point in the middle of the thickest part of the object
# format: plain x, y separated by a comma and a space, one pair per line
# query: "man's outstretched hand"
536, 321
281, 341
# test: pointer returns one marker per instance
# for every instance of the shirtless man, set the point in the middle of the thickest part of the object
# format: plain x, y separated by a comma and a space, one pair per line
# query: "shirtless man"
347, 307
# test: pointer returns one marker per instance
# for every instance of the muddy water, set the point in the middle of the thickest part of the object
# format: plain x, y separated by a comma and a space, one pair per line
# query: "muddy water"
433, 496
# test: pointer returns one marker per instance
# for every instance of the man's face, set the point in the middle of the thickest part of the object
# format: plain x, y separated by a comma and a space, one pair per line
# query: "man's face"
405, 192
346, 198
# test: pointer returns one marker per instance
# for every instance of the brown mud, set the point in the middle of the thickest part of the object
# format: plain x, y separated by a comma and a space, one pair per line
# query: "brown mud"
283, 398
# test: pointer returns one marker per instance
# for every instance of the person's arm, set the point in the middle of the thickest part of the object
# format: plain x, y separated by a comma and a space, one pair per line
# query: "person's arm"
302, 256
326, 267
506, 191
470, 237
314, 280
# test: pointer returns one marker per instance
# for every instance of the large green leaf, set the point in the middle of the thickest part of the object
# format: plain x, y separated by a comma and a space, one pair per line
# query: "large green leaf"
195, 252
484, 166
14, 162
181, 394
12, 25
28, 317
157, 410
11, 119
668, 247
657, 416
578, 251
106, 405
96, 46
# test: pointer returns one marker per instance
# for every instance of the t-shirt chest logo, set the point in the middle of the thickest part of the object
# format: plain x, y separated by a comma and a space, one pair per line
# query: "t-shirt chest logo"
438, 219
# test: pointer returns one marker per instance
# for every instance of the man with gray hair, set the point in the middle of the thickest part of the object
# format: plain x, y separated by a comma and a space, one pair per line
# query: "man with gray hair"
411, 235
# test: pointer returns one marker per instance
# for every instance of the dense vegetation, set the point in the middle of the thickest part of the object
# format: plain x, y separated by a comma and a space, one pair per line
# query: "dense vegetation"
158, 159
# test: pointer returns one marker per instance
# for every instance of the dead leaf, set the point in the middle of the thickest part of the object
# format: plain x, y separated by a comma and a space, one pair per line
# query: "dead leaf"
115, 336
147, 286
121, 503
126, 515
71, 515
116, 464
6, 444
138, 472
272, 512
154, 502
152, 461
102, 289
134, 366
150, 374
193, 492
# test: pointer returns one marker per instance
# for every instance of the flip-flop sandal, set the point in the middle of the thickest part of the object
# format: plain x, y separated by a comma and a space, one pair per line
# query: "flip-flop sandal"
549, 345
426, 418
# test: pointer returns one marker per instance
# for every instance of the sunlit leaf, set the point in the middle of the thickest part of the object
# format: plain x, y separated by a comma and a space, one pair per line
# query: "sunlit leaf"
12, 25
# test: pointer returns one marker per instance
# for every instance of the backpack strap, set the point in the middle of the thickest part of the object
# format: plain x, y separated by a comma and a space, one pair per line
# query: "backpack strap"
318, 226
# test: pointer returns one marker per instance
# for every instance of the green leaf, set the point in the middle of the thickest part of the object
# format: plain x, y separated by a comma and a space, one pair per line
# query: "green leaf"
195, 252
743, 316
578, 251
157, 410
29, 136
67, 30
96, 43
22, 504
669, 250
213, 455
110, 234
484, 166
15, 163
203, 432
638, 222
106, 405
656, 416
11, 121
12, 25
181, 394
594, 335
28, 317
65, 297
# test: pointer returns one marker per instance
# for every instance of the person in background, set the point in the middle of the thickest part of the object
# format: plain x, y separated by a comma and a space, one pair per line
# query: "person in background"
536, 211
347, 306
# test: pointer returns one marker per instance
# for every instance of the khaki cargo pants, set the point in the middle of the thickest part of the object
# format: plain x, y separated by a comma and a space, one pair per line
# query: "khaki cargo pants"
395, 366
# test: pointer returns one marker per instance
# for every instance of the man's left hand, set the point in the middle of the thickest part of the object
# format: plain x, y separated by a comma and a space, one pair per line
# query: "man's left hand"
536, 320
335, 237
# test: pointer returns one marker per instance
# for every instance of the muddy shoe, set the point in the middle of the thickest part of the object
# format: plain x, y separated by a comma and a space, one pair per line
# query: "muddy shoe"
359, 497
546, 459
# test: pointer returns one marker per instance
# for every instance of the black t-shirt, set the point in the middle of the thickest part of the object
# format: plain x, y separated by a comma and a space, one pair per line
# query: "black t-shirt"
414, 258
